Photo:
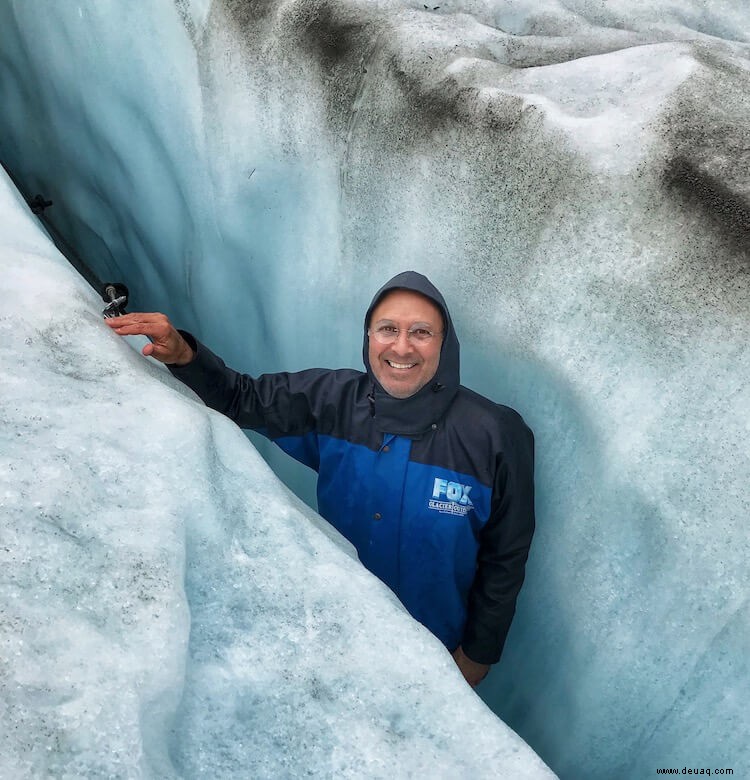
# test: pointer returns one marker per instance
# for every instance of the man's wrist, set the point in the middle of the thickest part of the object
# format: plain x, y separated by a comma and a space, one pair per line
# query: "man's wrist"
187, 355
188, 349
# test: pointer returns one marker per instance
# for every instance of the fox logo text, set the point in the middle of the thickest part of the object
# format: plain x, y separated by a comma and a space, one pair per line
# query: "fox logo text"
450, 497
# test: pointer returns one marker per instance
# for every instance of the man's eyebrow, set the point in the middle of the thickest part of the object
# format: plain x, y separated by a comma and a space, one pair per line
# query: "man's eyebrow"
422, 324
413, 325
417, 324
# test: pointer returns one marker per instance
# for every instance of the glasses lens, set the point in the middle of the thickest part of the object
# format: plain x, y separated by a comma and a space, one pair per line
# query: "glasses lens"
385, 334
419, 335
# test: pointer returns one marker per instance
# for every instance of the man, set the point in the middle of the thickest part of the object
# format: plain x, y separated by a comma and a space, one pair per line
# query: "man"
431, 482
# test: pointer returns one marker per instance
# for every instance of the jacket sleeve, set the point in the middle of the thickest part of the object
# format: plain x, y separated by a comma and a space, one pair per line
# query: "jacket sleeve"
503, 549
284, 406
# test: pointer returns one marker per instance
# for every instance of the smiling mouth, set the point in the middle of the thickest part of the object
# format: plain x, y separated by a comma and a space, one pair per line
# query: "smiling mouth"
400, 365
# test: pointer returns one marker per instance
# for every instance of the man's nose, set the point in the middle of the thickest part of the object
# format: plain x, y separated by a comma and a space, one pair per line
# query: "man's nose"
402, 342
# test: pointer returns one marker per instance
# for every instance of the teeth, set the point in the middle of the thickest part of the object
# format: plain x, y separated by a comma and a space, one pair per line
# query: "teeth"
400, 365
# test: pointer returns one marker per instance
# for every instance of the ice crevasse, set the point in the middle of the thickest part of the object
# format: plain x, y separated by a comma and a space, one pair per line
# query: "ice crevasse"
571, 174
169, 609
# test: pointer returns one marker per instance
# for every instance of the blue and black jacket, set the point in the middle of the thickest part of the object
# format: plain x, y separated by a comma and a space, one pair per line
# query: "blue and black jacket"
435, 491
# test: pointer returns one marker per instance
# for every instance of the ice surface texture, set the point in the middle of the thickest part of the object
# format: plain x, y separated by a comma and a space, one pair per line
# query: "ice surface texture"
167, 607
572, 174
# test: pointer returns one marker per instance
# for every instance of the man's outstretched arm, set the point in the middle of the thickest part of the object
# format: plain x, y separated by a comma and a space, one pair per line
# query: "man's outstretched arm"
282, 406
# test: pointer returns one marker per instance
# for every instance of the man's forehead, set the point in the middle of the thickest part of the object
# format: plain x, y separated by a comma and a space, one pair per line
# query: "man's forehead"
406, 303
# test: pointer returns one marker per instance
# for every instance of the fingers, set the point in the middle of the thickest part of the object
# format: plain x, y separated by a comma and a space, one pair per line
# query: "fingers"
154, 325
137, 316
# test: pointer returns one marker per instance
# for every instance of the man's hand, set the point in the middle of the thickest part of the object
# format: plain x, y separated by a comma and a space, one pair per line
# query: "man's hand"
473, 672
167, 345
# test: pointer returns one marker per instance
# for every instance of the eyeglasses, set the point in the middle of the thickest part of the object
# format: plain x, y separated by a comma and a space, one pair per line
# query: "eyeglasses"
387, 333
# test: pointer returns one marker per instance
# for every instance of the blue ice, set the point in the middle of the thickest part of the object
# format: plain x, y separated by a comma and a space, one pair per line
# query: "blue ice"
572, 176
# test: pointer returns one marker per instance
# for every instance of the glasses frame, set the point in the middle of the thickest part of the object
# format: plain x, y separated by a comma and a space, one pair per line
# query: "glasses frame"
376, 331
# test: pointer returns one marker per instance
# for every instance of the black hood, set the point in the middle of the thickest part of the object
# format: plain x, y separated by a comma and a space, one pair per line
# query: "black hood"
417, 414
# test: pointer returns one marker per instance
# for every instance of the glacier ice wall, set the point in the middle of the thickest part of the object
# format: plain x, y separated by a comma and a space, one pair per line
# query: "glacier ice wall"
167, 607
572, 174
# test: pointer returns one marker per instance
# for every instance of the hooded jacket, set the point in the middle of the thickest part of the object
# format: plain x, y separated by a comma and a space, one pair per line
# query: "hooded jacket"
435, 491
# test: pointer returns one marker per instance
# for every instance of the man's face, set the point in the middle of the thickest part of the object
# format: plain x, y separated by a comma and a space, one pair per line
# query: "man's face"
406, 365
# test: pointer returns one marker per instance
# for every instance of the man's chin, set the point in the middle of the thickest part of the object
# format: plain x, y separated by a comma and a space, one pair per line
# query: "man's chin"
399, 391
401, 396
